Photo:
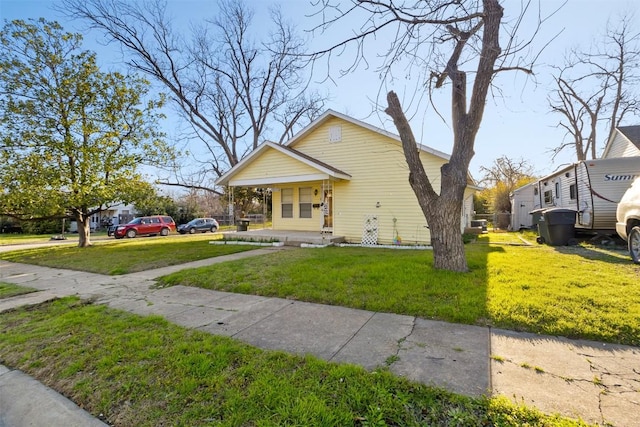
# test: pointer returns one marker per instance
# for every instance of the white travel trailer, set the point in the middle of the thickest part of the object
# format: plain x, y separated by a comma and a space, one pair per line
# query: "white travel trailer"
592, 188
600, 186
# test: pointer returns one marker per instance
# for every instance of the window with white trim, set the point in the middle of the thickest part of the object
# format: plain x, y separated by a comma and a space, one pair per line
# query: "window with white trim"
287, 202
305, 202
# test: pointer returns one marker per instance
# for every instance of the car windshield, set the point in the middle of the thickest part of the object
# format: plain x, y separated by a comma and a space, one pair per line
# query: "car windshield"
193, 222
135, 221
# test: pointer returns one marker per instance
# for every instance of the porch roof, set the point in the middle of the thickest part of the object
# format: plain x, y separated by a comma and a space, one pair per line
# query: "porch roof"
316, 169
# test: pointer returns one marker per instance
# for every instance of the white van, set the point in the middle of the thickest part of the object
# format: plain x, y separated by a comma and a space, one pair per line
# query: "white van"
628, 219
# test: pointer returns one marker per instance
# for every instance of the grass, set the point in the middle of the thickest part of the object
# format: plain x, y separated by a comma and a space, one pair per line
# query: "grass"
578, 292
126, 256
385, 280
109, 361
17, 239
8, 290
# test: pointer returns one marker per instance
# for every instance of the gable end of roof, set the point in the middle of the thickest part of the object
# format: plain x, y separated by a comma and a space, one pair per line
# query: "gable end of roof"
632, 133
331, 113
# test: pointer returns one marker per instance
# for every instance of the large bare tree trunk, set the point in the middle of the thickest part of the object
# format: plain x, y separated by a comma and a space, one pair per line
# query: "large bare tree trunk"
446, 238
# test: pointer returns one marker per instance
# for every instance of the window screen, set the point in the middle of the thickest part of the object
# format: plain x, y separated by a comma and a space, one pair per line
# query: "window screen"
305, 202
287, 203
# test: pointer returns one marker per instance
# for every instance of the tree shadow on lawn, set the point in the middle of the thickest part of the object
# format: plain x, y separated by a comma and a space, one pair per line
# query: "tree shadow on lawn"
609, 254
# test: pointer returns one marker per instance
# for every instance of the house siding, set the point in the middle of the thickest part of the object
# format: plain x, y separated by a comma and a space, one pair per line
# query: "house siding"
379, 186
630, 151
621, 147
271, 164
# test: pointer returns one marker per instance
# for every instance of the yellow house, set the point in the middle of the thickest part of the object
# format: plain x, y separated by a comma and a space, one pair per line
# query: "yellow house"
343, 177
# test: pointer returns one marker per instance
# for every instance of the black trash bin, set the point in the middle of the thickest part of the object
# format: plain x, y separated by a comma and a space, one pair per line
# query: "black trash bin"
536, 217
243, 224
561, 226
541, 225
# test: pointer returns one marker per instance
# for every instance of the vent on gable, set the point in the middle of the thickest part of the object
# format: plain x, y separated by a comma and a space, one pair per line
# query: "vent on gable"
335, 133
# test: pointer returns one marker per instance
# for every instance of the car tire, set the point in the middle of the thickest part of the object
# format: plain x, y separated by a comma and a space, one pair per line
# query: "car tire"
118, 237
192, 230
214, 229
164, 232
131, 233
633, 241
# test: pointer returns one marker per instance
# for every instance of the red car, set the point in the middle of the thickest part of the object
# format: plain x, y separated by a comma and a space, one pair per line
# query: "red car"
146, 225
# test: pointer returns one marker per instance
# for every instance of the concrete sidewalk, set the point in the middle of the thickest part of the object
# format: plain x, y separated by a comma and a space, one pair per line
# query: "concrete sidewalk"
597, 382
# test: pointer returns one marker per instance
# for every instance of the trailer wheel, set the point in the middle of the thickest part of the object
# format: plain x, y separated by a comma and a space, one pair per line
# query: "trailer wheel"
634, 244
540, 240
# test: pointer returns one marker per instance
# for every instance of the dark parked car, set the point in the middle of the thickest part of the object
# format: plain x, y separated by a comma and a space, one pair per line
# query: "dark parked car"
198, 225
146, 225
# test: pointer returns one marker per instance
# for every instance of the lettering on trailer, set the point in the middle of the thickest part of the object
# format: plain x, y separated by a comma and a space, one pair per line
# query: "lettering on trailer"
610, 177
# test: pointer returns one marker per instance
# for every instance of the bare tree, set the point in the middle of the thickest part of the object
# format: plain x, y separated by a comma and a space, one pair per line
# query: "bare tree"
232, 91
595, 89
448, 40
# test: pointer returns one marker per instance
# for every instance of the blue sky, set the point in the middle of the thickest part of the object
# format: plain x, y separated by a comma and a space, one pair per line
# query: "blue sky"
517, 124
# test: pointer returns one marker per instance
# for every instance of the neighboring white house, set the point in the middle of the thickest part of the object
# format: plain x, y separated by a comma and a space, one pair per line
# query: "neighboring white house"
116, 214
625, 142
344, 177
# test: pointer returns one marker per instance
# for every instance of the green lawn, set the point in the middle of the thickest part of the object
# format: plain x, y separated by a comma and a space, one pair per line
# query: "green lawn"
579, 291
127, 255
143, 371
8, 290
16, 239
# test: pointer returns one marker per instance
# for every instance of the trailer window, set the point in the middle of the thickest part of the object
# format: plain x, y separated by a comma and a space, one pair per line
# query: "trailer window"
548, 197
557, 190
573, 193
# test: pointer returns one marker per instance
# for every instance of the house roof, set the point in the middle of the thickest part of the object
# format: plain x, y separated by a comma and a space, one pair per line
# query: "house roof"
322, 168
632, 133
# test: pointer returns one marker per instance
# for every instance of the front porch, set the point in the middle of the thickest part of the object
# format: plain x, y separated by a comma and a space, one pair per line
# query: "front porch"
288, 237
